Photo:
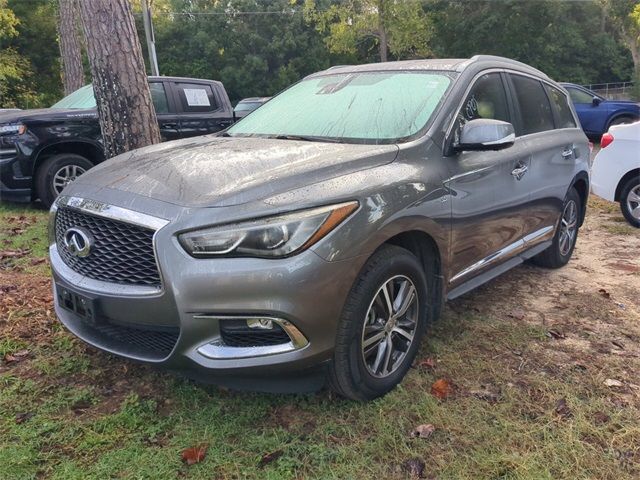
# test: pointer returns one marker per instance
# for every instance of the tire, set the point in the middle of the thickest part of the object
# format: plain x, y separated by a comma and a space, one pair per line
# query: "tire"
561, 249
630, 201
50, 176
354, 375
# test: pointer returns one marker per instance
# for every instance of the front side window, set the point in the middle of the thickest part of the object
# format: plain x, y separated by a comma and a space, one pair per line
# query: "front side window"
561, 105
487, 99
579, 96
159, 97
535, 109
357, 107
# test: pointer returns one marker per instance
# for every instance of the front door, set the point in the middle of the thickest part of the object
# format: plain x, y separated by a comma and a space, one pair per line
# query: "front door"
487, 193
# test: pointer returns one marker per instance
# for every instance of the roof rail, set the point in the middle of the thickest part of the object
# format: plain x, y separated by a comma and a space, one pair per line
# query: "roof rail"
480, 58
333, 67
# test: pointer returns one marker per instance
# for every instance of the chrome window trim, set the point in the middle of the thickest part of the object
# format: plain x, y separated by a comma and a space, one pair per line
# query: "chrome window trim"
217, 350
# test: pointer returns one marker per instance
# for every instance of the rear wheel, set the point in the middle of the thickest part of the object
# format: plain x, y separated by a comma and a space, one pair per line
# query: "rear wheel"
56, 173
630, 201
381, 326
564, 241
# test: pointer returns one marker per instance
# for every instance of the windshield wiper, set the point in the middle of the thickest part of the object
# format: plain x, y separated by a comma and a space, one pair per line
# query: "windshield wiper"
305, 138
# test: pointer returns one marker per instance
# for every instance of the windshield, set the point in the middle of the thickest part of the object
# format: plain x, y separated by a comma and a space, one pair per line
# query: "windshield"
368, 107
81, 98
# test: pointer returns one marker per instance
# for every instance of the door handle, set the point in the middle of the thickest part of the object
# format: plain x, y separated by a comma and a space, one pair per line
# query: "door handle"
519, 172
567, 153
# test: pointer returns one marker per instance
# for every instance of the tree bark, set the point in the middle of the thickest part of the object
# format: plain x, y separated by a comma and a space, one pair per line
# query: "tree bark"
126, 112
70, 48
382, 32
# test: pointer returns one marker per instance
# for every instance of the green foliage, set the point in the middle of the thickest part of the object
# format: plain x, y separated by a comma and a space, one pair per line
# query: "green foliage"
404, 25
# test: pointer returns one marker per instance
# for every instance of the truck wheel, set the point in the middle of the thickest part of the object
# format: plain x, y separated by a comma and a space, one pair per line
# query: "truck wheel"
564, 241
56, 173
630, 201
382, 323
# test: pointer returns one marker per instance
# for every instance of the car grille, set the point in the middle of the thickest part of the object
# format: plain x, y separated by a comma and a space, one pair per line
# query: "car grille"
121, 252
152, 343
243, 336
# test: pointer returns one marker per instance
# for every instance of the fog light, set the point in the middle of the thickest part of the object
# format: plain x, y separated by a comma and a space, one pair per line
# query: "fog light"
262, 323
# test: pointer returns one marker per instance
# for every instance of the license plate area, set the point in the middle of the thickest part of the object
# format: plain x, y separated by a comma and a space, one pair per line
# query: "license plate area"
83, 306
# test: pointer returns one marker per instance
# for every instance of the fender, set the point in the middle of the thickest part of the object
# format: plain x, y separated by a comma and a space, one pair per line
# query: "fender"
582, 176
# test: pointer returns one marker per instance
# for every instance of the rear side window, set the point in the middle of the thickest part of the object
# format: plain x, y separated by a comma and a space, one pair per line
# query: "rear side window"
561, 105
159, 97
196, 97
535, 110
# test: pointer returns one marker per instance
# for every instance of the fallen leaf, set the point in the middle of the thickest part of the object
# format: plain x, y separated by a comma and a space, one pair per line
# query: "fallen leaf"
604, 293
441, 389
194, 455
555, 334
23, 417
269, 457
486, 394
428, 363
618, 344
517, 313
414, 467
37, 261
610, 382
423, 431
562, 409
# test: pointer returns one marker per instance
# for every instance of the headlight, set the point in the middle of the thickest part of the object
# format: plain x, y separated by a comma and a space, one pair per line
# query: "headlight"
268, 237
20, 129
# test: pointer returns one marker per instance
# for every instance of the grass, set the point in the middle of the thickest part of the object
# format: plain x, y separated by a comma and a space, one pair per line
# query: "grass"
69, 412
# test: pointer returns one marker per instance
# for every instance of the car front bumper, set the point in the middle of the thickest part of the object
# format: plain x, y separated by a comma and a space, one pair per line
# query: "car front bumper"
304, 291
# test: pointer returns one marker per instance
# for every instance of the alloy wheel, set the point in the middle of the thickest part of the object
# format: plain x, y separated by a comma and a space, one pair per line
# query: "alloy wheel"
633, 202
390, 326
65, 175
568, 227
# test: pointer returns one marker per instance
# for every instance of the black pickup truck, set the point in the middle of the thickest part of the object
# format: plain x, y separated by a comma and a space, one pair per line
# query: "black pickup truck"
43, 150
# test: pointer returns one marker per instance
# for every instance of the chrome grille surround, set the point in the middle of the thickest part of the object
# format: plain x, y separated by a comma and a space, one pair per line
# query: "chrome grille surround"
123, 251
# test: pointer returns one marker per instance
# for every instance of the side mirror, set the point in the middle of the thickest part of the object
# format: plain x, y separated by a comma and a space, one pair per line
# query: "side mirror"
596, 101
486, 134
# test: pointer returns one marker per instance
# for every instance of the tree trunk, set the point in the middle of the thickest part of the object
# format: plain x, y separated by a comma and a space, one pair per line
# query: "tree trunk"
382, 32
70, 49
127, 116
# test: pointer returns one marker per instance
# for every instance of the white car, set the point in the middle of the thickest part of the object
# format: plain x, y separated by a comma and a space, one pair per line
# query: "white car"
615, 175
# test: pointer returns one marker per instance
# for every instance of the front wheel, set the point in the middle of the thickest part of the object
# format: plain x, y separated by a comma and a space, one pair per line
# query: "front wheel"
564, 240
630, 201
56, 173
381, 326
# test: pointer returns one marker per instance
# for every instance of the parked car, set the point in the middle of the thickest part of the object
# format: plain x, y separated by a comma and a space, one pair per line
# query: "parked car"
321, 234
43, 150
248, 105
615, 174
597, 114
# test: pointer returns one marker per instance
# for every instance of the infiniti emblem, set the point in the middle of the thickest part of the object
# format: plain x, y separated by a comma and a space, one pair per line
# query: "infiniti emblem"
78, 242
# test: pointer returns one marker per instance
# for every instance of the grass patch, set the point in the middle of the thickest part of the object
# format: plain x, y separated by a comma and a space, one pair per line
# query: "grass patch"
70, 412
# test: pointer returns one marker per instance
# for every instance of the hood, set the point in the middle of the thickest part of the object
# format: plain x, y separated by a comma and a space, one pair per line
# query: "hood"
221, 171
46, 114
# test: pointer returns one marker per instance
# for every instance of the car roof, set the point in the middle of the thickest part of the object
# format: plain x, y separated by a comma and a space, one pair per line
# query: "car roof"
438, 64
254, 99
183, 79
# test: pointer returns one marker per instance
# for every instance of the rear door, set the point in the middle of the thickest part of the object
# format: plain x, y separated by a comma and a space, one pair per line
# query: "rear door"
201, 108
487, 199
166, 112
548, 129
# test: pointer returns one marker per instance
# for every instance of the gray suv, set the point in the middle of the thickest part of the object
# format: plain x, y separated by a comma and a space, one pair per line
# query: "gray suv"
318, 237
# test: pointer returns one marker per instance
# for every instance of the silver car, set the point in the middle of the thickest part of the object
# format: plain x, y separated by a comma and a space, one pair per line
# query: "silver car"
318, 237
